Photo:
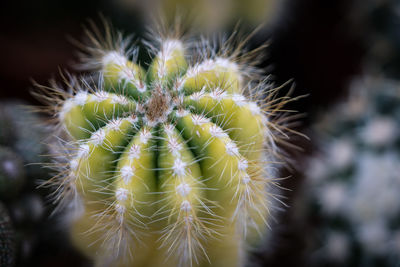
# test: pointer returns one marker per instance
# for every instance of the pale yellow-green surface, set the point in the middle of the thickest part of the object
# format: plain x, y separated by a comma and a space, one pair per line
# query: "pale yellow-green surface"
90, 233
169, 63
219, 170
81, 120
222, 77
124, 79
74, 121
95, 171
245, 128
141, 185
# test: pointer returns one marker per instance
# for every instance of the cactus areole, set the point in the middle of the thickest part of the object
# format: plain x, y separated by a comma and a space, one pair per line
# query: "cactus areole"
169, 166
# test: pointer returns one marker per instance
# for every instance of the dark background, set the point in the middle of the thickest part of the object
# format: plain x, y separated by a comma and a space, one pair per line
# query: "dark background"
313, 43
316, 43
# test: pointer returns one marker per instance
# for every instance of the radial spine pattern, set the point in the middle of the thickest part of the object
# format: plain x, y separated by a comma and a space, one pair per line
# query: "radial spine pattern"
169, 166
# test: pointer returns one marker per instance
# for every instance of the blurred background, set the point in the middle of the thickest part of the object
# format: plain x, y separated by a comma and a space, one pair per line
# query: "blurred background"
343, 203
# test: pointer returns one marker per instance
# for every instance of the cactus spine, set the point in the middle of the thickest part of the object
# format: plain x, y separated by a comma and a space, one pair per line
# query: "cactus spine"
169, 167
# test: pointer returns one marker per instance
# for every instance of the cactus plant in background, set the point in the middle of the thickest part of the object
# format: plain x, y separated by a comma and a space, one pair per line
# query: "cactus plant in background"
354, 181
12, 173
21, 147
7, 239
169, 166
22, 131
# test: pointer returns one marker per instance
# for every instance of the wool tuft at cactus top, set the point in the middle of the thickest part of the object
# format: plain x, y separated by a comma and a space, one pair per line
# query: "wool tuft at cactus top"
172, 166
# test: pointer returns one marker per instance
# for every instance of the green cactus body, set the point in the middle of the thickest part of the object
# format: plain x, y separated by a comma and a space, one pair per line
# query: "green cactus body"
170, 167
212, 74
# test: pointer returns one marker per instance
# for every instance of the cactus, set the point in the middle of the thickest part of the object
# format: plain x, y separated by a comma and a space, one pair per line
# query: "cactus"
354, 181
12, 174
172, 166
22, 131
22, 145
7, 239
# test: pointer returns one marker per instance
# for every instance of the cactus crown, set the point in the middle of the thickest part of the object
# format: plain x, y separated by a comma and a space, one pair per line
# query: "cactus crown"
169, 166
